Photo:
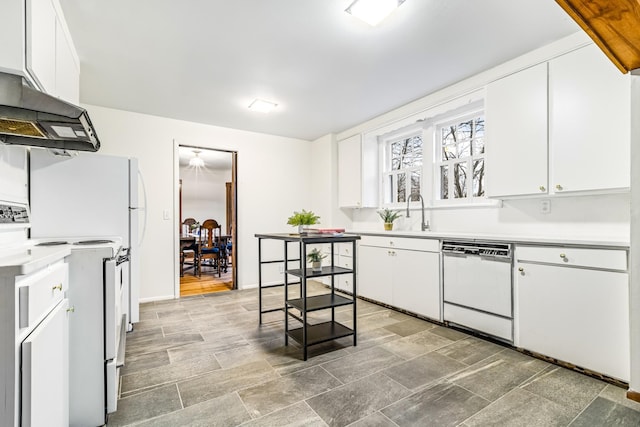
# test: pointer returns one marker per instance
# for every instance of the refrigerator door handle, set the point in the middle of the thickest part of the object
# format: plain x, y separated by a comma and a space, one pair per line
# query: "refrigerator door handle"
144, 208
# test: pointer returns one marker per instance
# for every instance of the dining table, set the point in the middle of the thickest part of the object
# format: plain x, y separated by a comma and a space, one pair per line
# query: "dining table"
192, 241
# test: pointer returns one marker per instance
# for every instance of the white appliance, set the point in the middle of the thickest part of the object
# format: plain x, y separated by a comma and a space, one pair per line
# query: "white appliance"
98, 275
90, 195
477, 286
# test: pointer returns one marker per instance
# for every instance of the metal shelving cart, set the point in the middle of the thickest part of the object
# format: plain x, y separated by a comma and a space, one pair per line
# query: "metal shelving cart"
311, 334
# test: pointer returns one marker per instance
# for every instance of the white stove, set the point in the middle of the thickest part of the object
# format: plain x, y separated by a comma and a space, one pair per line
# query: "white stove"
98, 293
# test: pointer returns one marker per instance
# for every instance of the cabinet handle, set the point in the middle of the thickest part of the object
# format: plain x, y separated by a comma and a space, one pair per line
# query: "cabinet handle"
390, 242
520, 269
542, 188
559, 187
71, 309
58, 287
563, 256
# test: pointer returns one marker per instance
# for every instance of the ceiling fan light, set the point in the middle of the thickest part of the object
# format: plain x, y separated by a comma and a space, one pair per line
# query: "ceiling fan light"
196, 161
373, 11
262, 106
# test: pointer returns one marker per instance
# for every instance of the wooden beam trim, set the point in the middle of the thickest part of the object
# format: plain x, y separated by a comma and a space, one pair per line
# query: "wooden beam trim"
633, 395
582, 22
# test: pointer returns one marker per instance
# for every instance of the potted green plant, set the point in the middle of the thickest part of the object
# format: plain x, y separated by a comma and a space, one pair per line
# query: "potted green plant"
302, 219
315, 257
388, 216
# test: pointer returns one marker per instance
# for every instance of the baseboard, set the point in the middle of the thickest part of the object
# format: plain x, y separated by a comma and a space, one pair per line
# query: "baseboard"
633, 395
158, 298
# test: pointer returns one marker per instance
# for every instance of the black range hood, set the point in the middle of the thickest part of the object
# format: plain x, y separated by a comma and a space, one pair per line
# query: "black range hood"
33, 118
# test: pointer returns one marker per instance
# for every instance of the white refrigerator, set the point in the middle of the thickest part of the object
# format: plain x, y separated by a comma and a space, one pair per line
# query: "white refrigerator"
90, 195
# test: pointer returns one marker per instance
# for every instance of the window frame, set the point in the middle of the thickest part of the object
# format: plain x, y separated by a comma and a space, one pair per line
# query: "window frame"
438, 162
385, 142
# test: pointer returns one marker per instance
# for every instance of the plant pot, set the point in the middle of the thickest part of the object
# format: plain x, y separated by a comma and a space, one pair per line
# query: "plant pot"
303, 229
388, 226
316, 266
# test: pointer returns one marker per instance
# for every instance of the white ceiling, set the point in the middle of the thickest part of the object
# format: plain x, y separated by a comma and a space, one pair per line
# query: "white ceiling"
205, 60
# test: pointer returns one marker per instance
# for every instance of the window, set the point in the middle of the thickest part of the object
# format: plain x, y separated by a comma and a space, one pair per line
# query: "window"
402, 173
460, 158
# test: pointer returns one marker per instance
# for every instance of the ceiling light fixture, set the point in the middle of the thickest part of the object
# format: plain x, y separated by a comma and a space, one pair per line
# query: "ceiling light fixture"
373, 11
262, 106
196, 161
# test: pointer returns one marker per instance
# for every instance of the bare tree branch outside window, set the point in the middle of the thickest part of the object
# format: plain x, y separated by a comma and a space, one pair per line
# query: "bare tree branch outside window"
405, 161
462, 159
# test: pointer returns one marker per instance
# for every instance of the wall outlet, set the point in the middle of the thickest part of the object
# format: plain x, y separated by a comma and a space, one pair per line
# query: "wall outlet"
545, 206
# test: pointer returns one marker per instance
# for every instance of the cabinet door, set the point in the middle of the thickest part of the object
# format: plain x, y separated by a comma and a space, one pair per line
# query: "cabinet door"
589, 122
41, 43
374, 274
576, 315
350, 172
67, 71
516, 134
416, 282
45, 371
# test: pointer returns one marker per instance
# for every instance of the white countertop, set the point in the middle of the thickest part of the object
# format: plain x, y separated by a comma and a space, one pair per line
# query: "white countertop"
541, 240
26, 259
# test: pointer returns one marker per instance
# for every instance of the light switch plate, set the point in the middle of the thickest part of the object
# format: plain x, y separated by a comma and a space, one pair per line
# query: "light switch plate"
165, 215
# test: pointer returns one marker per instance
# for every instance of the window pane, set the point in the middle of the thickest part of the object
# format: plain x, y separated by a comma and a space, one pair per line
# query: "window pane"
444, 182
478, 146
388, 189
401, 191
460, 180
465, 130
415, 182
448, 135
479, 130
396, 155
478, 178
464, 149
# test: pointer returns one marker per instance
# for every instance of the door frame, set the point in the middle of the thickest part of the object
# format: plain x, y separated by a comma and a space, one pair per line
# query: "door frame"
177, 209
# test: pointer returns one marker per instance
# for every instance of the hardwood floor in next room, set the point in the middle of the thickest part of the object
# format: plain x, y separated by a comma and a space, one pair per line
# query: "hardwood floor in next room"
208, 282
205, 361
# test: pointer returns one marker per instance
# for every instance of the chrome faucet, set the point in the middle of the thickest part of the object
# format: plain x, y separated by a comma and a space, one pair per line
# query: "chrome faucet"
424, 225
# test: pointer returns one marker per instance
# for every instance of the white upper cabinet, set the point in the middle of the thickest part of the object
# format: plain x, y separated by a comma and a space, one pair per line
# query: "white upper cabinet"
41, 43
12, 31
350, 172
570, 135
589, 118
67, 69
516, 131
37, 45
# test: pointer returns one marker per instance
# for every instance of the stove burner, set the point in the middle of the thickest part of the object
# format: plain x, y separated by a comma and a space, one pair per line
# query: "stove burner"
52, 243
93, 242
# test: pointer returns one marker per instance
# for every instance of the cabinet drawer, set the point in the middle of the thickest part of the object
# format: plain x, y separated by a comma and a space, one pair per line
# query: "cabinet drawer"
40, 292
428, 245
596, 258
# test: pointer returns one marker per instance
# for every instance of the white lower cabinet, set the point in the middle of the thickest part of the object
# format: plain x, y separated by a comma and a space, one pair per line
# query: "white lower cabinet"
572, 313
45, 371
34, 348
408, 279
374, 274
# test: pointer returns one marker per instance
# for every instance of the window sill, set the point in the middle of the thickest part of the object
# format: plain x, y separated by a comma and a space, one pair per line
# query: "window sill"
464, 204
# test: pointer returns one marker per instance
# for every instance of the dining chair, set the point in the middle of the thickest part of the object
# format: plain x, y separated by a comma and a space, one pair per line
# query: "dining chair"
189, 252
209, 248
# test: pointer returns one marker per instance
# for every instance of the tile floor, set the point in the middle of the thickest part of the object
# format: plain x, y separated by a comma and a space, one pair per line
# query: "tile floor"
204, 361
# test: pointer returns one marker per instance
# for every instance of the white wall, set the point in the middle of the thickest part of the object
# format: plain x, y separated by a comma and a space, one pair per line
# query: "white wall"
600, 217
273, 181
13, 174
204, 194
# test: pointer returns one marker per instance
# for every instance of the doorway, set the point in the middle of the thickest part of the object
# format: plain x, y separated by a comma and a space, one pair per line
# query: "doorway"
207, 212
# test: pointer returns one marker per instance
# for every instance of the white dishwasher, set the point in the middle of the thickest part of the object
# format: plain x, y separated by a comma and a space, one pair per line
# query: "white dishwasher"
477, 286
